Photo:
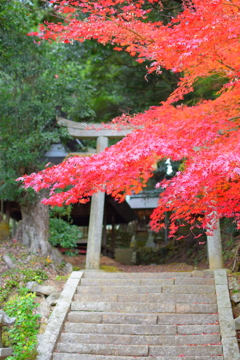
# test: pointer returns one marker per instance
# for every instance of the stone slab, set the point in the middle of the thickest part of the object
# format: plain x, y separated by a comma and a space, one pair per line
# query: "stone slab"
124, 307
124, 329
230, 348
126, 282
226, 321
196, 308
62, 356
6, 352
198, 329
120, 290
104, 349
129, 318
96, 297
49, 339
220, 276
181, 351
124, 275
188, 319
163, 340
84, 317
194, 281
189, 289
223, 297
182, 298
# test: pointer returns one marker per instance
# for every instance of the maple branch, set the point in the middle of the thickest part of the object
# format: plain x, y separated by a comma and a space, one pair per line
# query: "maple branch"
130, 30
232, 5
227, 66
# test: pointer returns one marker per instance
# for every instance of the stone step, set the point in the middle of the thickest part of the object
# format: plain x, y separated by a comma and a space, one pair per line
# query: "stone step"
126, 282
140, 275
152, 297
140, 350
123, 289
124, 275
146, 282
62, 356
133, 329
142, 319
114, 318
169, 307
163, 340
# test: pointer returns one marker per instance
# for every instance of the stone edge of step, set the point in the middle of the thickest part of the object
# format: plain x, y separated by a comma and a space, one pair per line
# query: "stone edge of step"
48, 340
226, 321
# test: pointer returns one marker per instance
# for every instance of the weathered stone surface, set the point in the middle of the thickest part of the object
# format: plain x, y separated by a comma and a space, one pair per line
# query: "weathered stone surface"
230, 348
213, 350
197, 329
220, 276
95, 297
227, 325
41, 289
43, 309
196, 308
166, 340
62, 356
121, 275
223, 298
121, 329
126, 282
126, 307
189, 289
52, 299
233, 284
132, 298
182, 298
129, 318
203, 273
89, 290
4, 352
235, 297
194, 281
120, 290
185, 319
6, 320
104, 349
84, 317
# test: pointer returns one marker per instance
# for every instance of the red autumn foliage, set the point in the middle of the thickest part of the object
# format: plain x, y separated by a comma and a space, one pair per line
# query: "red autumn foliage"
203, 40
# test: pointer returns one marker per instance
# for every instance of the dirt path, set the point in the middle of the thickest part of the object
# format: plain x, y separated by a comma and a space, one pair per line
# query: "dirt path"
106, 264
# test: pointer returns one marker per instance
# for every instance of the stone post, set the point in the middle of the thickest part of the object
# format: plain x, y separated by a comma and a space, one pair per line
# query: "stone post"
5, 320
214, 245
96, 220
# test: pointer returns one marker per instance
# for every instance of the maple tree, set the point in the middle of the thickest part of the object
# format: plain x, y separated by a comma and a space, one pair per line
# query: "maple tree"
200, 42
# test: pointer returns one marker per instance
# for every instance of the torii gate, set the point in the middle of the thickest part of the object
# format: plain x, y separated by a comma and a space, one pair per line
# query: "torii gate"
81, 131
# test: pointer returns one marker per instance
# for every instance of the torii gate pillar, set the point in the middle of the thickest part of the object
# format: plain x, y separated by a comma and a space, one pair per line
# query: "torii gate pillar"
96, 220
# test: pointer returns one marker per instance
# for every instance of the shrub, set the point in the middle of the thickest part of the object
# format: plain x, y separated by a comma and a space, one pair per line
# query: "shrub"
63, 234
22, 336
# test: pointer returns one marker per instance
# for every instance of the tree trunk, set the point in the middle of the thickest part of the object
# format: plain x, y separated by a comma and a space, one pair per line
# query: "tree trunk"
34, 228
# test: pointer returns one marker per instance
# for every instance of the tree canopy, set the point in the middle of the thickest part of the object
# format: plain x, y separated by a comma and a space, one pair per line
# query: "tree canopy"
201, 42
35, 79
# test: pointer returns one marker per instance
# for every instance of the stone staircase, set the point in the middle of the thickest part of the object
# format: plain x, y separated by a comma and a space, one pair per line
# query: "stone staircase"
147, 316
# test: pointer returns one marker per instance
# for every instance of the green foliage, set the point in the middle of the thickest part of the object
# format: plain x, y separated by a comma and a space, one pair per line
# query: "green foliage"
16, 278
22, 336
37, 82
120, 82
63, 234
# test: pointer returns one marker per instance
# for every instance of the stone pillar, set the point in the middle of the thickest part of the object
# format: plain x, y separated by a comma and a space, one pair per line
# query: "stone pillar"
214, 245
96, 220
